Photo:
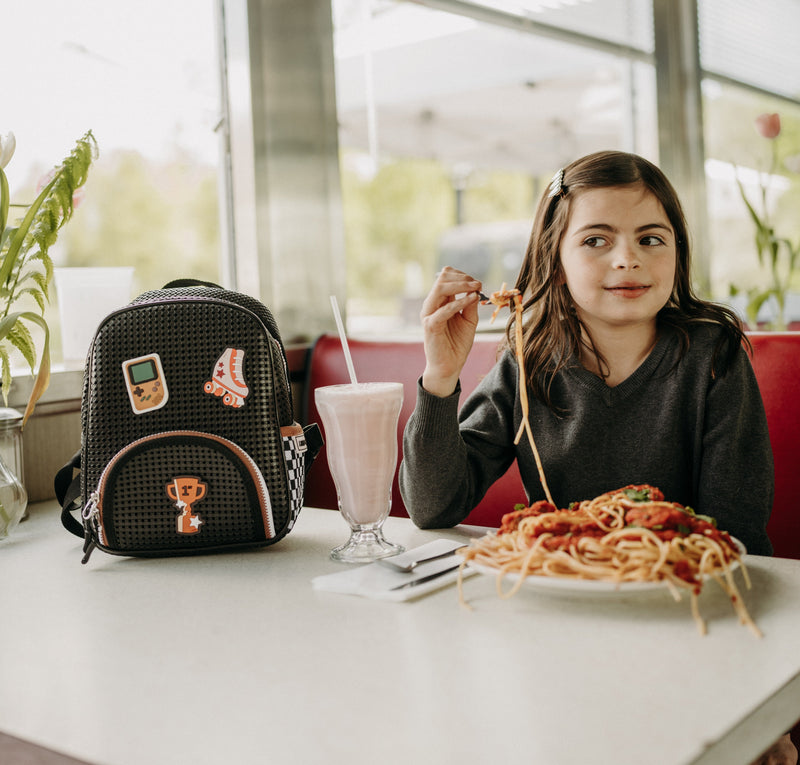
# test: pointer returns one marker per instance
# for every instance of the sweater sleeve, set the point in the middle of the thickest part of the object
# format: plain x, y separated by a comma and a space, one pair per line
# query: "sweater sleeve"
449, 459
736, 479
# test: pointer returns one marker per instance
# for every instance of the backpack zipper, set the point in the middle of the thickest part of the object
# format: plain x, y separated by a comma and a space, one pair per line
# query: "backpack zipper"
92, 512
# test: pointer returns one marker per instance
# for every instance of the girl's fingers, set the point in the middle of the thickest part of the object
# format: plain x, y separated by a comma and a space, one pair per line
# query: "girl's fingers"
451, 285
440, 316
449, 319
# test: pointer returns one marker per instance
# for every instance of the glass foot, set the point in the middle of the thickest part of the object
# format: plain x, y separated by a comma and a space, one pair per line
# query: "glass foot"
365, 546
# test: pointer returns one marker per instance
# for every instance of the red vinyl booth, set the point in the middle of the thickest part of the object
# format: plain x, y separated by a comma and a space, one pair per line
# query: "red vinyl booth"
776, 360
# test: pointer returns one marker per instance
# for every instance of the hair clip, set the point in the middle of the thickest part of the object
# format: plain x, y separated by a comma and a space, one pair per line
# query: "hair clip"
556, 185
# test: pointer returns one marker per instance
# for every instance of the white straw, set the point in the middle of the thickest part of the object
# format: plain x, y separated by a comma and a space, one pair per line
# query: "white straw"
345, 347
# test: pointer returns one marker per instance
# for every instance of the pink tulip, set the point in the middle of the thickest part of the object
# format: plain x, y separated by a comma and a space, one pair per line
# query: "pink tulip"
768, 125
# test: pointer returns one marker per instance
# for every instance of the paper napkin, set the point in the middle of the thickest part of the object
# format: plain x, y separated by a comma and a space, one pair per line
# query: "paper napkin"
374, 580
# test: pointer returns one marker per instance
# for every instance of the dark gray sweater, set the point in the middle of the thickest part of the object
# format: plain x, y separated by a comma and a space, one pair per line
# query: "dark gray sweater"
701, 439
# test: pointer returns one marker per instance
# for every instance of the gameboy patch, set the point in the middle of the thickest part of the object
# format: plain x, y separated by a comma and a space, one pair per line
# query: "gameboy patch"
145, 383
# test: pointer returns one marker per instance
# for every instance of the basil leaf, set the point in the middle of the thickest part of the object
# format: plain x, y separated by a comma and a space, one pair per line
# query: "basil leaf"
708, 519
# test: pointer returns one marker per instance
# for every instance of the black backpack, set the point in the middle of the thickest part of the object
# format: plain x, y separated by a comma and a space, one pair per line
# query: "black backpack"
188, 437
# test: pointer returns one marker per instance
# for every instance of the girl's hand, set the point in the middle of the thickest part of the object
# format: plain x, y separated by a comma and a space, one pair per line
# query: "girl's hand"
782, 752
448, 324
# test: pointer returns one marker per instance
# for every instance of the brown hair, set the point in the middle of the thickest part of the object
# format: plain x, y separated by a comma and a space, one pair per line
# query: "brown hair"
552, 331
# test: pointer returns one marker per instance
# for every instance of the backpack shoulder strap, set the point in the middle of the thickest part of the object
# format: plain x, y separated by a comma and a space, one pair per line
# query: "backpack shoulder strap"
68, 493
314, 443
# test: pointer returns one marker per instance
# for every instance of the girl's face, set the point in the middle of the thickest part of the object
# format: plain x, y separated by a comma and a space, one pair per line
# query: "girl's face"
618, 257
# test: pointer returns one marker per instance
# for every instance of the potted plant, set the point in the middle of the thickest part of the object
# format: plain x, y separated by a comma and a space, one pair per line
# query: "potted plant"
26, 271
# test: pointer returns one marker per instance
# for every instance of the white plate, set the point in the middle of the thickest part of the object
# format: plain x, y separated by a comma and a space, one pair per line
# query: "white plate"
581, 587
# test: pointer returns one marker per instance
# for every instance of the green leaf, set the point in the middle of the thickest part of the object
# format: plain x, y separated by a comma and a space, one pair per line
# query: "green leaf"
637, 495
8, 232
707, 519
4, 200
42, 378
21, 338
7, 324
753, 214
774, 251
755, 301
35, 292
6, 373
14, 248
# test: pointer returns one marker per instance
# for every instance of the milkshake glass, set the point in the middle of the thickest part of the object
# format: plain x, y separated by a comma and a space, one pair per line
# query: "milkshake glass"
360, 424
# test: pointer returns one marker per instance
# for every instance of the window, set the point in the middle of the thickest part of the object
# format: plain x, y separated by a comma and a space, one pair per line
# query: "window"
451, 125
144, 78
751, 66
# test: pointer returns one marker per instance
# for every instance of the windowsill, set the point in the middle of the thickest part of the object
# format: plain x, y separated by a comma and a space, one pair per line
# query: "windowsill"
53, 434
64, 391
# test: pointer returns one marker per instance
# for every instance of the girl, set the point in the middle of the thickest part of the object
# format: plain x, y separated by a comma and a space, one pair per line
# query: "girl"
631, 378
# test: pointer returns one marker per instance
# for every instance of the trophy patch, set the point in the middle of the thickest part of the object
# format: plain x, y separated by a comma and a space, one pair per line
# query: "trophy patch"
185, 491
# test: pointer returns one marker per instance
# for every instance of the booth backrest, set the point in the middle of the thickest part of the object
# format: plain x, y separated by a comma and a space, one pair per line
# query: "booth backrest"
776, 360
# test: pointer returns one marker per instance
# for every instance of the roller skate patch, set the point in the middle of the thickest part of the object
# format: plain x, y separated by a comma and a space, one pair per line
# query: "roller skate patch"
227, 380
185, 491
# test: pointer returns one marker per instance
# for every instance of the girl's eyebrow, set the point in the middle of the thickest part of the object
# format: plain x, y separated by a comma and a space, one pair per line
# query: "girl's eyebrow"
649, 226
609, 227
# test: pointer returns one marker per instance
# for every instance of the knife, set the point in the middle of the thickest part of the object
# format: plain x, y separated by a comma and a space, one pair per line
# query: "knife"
426, 578
409, 567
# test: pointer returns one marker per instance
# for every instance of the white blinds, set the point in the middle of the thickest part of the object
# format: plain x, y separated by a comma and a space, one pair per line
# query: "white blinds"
754, 42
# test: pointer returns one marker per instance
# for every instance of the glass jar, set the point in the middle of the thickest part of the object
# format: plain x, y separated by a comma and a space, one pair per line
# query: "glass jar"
13, 497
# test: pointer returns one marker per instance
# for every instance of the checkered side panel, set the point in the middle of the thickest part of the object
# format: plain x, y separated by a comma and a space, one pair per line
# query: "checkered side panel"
294, 449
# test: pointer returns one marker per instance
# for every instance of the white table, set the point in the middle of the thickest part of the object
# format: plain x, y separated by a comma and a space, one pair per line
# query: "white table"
236, 659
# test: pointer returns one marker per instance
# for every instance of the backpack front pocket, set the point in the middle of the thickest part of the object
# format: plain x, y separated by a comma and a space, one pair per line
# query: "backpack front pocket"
179, 492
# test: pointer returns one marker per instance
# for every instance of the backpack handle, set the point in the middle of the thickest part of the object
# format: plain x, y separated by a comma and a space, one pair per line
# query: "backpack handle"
190, 283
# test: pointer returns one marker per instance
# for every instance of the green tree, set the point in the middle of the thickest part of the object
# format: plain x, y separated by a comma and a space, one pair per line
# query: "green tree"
500, 196
393, 219
160, 218
396, 217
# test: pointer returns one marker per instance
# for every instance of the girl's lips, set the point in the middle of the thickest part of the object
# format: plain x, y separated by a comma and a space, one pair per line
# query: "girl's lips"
628, 290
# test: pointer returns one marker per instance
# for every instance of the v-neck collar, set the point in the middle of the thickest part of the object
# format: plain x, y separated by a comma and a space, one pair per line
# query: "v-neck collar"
644, 371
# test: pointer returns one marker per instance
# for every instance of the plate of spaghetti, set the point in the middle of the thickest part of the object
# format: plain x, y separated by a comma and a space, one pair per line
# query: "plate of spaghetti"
627, 541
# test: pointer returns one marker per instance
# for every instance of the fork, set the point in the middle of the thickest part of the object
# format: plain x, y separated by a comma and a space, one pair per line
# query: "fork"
407, 567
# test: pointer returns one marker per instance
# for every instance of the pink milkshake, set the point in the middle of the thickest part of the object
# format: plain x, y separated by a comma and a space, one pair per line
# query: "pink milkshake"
360, 426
